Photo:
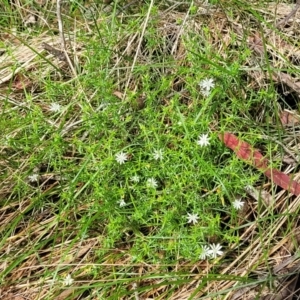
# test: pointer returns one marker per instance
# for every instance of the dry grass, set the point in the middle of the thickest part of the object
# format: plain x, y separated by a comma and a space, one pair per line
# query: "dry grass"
267, 248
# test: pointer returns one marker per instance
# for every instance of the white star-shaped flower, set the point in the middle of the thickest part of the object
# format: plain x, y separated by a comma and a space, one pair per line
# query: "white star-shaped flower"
206, 85
238, 204
158, 154
121, 157
205, 252
135, 178
151, 183
122, 203
33, 177
203, 140
215, 250
68, 280
192, 218
55, 107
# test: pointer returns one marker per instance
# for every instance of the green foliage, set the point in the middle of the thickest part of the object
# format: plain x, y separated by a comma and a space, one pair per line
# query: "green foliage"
153, 109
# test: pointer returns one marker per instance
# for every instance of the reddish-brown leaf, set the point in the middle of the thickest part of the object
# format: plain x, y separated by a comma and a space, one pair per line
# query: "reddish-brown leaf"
21, 82
244, 151
252, 156
283, 180
289, 118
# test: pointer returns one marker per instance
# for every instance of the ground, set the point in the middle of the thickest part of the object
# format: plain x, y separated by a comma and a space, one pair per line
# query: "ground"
149, 150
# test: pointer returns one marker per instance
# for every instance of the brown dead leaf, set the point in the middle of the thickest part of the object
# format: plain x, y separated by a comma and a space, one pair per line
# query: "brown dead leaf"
287, 79
256, 44
82, 251
21, 82
289, 118
65, 294
118, 94
11, 296
140, 101
257, 194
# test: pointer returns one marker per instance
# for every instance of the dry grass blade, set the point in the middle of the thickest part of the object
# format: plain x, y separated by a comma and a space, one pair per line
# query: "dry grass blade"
25, 57
137, 53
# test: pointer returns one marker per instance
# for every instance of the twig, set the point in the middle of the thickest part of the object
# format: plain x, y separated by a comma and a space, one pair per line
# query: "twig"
126, 6
290, 15
57, 53
14, 102
62, 36
282, 145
